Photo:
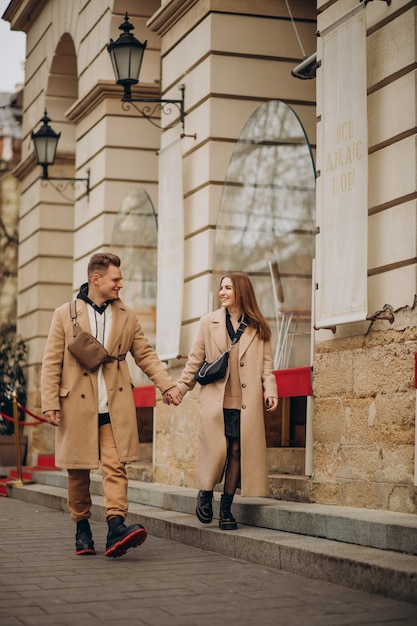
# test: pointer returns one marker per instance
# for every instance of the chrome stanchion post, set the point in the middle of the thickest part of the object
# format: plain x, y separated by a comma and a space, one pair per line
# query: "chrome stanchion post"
19, 480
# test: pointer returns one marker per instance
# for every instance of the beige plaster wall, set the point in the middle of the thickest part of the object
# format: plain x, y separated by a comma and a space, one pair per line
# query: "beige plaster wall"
231, 56
68, 71
364, 419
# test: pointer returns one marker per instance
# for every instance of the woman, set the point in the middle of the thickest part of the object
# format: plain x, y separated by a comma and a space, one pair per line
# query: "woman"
231, 431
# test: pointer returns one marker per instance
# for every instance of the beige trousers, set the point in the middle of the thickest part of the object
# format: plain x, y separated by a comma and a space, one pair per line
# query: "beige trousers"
114, 482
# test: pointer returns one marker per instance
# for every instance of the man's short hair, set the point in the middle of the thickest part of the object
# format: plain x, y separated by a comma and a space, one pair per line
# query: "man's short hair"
100, 262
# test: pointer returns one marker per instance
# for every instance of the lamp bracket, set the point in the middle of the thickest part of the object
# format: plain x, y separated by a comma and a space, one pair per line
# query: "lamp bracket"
65, 182
151, 105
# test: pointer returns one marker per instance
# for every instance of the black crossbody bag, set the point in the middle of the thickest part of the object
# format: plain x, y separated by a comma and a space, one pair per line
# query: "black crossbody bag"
210, 372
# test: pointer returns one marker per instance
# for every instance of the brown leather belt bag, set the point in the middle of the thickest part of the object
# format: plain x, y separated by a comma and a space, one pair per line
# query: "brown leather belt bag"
86, 349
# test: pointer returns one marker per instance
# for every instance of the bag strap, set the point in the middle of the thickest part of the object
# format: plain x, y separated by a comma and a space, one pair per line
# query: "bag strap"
73, 315
239, 333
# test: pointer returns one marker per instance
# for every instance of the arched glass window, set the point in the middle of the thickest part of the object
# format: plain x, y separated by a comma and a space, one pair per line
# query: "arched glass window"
135, 240
266, 225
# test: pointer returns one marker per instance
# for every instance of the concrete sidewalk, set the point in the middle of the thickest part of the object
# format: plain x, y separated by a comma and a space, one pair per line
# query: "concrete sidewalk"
373, 551
161, 583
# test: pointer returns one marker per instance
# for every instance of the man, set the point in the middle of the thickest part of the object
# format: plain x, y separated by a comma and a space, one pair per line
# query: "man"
94, 412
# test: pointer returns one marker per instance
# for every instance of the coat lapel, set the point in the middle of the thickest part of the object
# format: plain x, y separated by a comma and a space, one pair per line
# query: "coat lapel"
246, 339
217, 329
119, 317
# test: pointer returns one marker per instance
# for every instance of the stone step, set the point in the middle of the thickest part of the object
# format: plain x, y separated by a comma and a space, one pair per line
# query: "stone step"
10, 474
385, 530
168, 512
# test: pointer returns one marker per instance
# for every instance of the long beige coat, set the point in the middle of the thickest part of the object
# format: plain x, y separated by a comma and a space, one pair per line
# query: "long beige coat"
257, 382
70, 388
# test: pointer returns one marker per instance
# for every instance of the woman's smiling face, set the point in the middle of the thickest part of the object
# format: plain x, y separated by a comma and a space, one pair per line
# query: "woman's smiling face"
227, 293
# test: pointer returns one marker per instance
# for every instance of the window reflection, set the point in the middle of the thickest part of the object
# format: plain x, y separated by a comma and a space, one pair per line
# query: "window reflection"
266, 225
135, 239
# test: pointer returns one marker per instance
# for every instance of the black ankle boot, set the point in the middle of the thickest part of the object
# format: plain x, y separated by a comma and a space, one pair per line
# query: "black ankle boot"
204, 510
120, 537
84, 543
226, 521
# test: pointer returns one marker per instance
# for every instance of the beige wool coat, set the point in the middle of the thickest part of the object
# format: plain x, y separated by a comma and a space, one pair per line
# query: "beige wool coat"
257, 381
69, 387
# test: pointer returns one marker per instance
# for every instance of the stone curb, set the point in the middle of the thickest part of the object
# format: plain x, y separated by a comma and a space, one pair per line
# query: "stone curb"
385, 530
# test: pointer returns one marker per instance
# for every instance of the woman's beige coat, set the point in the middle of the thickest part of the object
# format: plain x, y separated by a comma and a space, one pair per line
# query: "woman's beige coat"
70, 388
257, 381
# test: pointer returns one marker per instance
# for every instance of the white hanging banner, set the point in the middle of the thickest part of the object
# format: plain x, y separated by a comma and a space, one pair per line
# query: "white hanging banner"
341, 260
170, 252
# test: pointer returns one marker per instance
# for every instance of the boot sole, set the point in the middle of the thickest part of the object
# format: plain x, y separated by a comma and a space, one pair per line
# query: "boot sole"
230, 526
85, 552
135, 539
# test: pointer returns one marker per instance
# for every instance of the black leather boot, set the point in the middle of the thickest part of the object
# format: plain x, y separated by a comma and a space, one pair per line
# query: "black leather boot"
84, 543
120, 537
226, 521
204, 510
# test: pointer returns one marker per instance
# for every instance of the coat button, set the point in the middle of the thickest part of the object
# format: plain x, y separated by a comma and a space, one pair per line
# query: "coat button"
244, 385
120, 388
85, 373
243, 406
241, 364
83, 395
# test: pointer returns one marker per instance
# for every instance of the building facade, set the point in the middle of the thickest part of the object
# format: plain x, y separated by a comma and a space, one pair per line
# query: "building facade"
10, 155
173, 195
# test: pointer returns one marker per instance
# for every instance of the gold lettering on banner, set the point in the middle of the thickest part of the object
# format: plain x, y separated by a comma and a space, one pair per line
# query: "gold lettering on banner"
344, 131
349, 150
343, 182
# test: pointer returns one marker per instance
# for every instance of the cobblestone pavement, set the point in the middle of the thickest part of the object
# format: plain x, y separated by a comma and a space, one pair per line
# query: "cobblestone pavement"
161, 583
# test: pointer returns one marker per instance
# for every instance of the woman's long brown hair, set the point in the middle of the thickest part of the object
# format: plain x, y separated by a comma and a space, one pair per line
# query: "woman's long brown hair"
246, 301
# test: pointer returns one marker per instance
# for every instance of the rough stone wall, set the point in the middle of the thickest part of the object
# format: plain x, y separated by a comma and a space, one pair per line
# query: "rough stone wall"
364, 421
175, 440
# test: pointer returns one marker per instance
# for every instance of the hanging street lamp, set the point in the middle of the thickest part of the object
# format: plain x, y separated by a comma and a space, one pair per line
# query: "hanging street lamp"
126, 55
45, 142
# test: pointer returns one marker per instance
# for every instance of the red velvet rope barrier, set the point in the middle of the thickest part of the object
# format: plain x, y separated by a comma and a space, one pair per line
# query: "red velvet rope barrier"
25, 410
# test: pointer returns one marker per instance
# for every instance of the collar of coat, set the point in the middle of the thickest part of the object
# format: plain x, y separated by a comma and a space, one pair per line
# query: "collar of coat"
217, 327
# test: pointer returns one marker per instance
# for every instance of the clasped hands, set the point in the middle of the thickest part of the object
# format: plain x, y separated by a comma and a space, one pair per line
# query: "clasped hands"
53, 417
172, 396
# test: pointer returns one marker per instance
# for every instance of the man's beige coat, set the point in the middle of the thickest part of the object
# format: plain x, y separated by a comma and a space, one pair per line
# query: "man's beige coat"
70, 388
257, 381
